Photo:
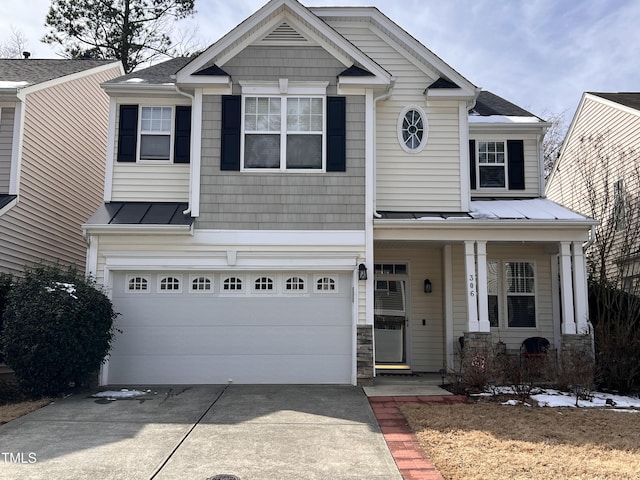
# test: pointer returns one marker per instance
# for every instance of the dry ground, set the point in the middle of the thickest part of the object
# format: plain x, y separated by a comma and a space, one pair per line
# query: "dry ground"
487, 441
14, 404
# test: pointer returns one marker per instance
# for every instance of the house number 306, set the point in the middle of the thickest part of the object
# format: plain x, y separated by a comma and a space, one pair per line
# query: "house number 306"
472, 285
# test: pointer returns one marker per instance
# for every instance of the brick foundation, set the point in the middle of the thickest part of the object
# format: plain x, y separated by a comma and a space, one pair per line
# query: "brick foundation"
365, 355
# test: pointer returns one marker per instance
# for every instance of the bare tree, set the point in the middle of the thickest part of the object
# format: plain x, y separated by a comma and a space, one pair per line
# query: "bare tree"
14, 46
553, 140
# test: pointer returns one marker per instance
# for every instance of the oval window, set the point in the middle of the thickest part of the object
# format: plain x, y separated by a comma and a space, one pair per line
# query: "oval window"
412, 129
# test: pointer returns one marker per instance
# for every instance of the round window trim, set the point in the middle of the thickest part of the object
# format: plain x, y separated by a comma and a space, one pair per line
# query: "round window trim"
413, 129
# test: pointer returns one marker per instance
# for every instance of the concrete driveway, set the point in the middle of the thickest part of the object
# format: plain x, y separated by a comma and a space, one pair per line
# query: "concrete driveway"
251, 432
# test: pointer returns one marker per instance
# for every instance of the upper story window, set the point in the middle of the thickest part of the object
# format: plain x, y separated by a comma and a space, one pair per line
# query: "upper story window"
154, 133
492, 164
497, 164
412, 129
283, 133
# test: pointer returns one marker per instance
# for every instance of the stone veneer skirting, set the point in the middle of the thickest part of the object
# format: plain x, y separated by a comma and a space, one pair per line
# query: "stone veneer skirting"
365, 355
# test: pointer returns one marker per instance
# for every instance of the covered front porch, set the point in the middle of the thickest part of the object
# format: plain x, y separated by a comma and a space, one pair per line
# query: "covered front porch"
500, 280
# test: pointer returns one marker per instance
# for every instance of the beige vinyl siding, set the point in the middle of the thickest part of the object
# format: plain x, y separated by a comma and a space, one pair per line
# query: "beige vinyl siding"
139, 182
426, 342
513, 337
531, 167
62, 173
620, 130
7, 115
149, 181
426, 181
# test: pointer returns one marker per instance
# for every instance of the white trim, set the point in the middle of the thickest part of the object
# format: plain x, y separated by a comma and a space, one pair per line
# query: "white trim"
425, 129
16, 148
91, 264
111, 150
580, 289
283, 87
483, 301
471, 282
566, 287
354, 327
370, 165
137, 229
196, 153
465, 186
555, 302
339, 238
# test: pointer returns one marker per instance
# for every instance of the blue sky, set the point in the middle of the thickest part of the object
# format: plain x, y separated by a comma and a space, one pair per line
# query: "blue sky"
539, 54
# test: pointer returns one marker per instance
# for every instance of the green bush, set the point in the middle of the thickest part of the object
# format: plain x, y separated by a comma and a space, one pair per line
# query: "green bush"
58, 328
5, 287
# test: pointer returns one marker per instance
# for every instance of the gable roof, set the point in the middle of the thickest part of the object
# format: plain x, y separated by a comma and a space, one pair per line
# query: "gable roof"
158, 74
628, 99
25, 72
301, 23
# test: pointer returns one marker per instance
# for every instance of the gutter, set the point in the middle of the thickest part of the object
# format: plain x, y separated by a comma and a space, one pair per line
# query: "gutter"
385, 96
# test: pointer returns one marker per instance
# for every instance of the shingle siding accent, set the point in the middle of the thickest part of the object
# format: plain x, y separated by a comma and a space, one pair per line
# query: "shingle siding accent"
6, 137
282, 201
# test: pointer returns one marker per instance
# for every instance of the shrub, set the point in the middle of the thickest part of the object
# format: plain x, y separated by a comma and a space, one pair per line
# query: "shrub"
5, 287
58, 329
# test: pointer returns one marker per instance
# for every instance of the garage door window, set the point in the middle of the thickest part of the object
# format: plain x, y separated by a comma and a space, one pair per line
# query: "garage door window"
201, 284
137, 284
263, 284
295, 285
326, 284
170, 284
232, 284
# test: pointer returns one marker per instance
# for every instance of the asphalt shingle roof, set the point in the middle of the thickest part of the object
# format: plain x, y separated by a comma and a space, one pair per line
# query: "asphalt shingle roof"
629, 99
157, 74
34, 71
489, 104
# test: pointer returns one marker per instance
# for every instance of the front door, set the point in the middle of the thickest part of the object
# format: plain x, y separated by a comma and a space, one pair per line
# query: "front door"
390, 322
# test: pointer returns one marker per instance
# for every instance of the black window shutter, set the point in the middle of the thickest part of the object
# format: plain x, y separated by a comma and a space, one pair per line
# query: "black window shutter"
182, 142
515, 156
472, 163
230, 134
336, 135
127, 133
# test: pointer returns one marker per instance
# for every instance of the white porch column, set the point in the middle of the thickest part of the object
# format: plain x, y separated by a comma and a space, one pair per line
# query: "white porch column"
566, 286
580, 291
448, 306
481, 283
471, 280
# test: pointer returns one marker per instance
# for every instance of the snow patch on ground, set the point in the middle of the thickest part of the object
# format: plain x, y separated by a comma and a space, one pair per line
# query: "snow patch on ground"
115, 394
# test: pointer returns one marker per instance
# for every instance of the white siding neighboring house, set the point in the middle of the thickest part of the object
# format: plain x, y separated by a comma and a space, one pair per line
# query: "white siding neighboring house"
317, 198
53, 125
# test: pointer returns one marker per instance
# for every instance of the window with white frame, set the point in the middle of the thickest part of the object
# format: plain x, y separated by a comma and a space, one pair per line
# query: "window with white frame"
294, 284
520, 285
155, 133
412, 129
138, 284
263, 284
283, 132
170, 284
325, 284
492, 164
201, 284
232, 284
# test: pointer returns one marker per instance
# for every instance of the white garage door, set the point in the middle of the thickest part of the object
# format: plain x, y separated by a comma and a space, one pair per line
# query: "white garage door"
211, 328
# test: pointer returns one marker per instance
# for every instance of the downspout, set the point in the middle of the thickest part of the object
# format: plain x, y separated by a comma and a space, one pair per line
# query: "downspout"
193, 101
384, 96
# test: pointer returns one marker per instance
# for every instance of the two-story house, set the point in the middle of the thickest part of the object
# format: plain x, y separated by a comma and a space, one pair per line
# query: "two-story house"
53, 121
597, 173
317, 197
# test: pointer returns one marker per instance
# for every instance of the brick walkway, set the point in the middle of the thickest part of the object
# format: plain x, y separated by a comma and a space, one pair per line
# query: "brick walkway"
405, 448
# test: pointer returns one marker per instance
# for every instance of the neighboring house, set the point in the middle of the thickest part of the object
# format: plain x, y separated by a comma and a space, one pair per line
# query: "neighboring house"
317, 189
53, 121
597, 173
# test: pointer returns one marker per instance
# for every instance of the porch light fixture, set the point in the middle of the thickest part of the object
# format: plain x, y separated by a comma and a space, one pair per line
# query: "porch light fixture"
362, 272
427, 286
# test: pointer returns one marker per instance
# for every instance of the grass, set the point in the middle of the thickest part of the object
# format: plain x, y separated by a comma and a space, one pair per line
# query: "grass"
486, 441
14, 404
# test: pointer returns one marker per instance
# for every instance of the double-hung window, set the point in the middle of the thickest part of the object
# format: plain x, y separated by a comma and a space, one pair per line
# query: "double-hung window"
283, 132
492, 164
155, 133
521, 294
